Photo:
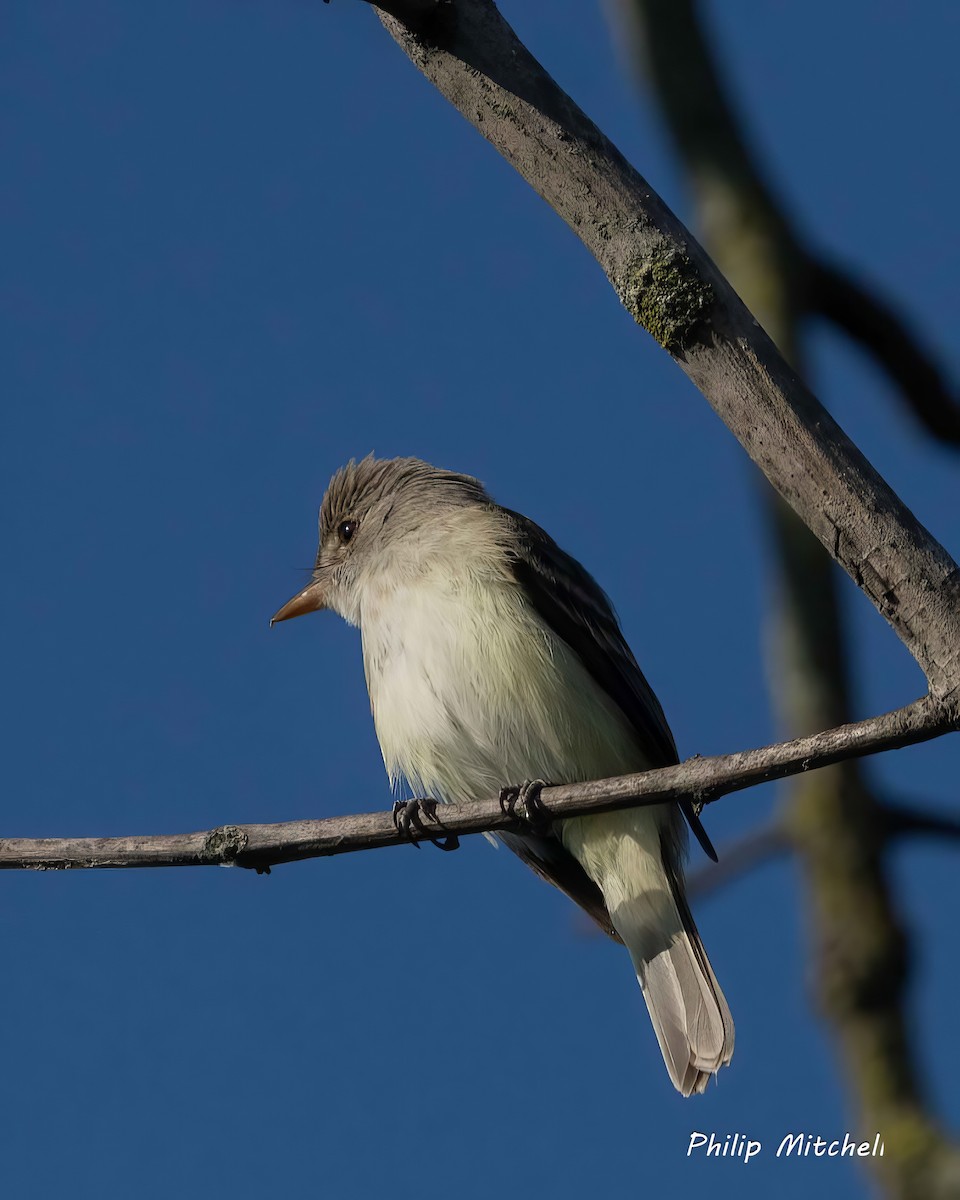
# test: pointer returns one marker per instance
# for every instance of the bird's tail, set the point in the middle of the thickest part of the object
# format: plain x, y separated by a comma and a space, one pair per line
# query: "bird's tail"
686, 1005
643, 887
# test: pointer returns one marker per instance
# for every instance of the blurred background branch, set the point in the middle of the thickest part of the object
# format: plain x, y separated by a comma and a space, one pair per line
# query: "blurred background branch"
834, 821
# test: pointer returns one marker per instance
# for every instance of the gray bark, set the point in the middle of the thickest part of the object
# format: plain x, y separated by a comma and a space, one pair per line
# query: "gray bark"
672, 288
701, 779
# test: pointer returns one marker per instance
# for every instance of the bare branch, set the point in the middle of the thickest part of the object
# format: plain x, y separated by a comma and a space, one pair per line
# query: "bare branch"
672, 288
701, 779
882, 333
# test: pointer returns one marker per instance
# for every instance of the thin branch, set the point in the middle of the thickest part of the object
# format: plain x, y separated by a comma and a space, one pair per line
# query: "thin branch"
701, 779
760, 846
772, 841
671, 287
866, 318
902, 819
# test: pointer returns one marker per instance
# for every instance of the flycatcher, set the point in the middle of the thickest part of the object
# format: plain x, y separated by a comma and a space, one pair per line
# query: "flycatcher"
493, 658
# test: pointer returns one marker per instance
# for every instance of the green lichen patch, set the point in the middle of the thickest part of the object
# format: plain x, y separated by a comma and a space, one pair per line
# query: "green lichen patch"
665, 294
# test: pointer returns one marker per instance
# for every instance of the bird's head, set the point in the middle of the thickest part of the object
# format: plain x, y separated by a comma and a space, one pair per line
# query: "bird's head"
384, 522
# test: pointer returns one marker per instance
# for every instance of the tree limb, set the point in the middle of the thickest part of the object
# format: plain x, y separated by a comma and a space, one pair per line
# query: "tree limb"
672, 288
739, 215
702, 779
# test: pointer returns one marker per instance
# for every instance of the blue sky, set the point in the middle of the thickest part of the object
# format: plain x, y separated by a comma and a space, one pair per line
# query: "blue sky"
243, 242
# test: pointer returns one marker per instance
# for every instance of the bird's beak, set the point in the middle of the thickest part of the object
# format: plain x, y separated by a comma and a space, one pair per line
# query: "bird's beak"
309, 600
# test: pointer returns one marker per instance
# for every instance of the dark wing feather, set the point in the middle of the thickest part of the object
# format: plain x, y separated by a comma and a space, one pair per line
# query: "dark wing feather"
572, 604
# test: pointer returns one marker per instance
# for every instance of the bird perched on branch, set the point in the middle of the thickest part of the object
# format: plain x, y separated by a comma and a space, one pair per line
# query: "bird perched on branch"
493, 659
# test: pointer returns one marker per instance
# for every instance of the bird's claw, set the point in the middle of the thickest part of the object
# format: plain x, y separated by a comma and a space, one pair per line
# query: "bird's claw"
523, 804
408, 818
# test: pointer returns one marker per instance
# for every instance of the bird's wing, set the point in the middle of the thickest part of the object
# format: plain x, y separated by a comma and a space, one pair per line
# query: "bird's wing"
571, 603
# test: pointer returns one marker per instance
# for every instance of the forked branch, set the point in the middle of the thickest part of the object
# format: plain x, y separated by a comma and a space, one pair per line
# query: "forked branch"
673, 289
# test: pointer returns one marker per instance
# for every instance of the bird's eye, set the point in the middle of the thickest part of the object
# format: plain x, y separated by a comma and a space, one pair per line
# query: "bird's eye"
346, 530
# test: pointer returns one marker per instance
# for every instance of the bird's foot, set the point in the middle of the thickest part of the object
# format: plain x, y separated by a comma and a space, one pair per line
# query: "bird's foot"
523, 804
408, 817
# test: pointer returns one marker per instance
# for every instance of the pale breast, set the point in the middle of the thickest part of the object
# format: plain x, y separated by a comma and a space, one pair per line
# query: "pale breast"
471, 692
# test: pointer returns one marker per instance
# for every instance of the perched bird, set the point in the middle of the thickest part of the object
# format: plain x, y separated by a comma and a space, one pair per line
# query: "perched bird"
493, 658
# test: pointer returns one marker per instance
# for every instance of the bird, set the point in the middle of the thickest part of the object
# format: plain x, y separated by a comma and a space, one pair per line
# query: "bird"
494, 662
